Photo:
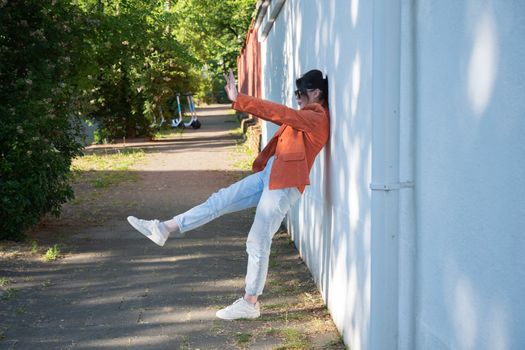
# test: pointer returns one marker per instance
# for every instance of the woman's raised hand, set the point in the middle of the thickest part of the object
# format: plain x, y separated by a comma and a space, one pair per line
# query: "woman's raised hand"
231, 89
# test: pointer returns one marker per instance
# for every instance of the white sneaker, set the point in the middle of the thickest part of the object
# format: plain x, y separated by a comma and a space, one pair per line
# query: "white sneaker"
152, 229
239, 309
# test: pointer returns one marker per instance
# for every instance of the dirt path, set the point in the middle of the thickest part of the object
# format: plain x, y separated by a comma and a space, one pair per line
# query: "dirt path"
113, 289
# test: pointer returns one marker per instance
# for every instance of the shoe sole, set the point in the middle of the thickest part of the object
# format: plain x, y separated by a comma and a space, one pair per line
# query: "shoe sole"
147, 234
237, 318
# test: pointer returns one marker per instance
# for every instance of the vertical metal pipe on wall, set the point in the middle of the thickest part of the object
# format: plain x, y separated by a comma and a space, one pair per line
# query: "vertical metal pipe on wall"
407, 212
385, 174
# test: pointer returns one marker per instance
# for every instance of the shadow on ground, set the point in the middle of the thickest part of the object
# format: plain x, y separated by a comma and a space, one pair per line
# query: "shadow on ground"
113, 289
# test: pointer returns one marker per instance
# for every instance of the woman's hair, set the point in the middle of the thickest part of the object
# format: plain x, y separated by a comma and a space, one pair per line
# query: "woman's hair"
314, 80
324, 91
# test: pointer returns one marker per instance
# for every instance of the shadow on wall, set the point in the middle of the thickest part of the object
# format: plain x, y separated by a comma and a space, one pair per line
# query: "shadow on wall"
331, 224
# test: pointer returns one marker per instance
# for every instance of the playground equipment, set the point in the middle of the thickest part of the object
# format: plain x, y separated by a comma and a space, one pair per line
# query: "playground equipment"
194, 121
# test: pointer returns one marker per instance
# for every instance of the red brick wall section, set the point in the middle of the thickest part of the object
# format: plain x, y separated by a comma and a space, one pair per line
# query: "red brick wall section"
249, 66
249, 79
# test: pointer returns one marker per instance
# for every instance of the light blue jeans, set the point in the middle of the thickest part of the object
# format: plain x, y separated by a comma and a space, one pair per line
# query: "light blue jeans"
272, 206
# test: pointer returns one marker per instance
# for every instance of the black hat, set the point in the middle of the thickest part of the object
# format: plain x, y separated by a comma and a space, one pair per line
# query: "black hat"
312, 80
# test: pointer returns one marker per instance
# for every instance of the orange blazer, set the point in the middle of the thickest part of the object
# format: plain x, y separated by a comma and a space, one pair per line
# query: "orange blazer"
301, 136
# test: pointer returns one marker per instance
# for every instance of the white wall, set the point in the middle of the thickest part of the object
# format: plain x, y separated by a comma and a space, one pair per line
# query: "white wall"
470, 174
462, 269
331, 224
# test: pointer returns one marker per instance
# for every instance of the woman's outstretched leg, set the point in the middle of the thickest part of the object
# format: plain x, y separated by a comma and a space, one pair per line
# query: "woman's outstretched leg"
241, 195
238, 196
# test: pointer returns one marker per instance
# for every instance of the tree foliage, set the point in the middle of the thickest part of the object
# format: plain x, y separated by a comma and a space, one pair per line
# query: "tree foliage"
214, 31
113, 61
41, 94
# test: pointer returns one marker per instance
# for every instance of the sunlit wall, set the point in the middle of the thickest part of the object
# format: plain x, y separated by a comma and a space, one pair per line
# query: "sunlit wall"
470, 174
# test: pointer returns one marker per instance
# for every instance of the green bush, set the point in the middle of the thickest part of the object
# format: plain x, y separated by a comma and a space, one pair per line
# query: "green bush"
43, 68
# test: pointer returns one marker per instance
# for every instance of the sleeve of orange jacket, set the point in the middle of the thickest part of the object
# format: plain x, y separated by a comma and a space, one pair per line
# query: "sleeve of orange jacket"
307, 119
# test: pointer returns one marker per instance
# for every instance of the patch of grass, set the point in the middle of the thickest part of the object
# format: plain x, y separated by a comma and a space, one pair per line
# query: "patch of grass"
102, 171
279, 307
4, 281
90, 196
245, 157
293, 339
274, 262
243, 153
46, 283
168, 133
243, 338
9, 294
335, 343
273, 332
78, 201
184, 343
216, 327
106, 180
52, 253
34, 247
21, 310
119, 161
283, 287
296, 315
238, 132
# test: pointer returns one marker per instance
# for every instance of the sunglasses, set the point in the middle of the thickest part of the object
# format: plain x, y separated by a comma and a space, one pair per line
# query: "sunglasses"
302, 92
